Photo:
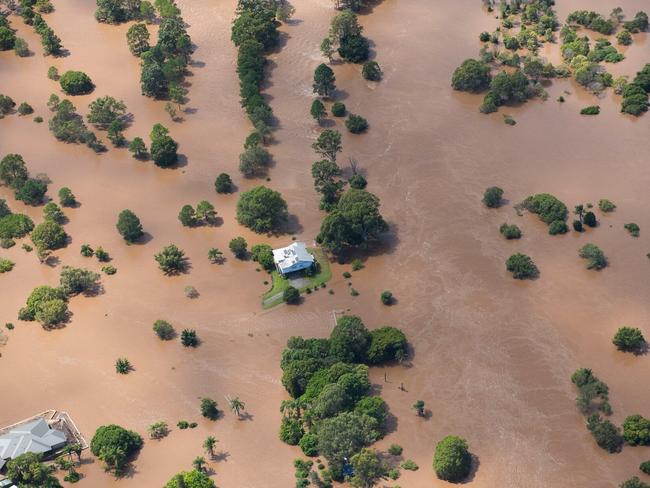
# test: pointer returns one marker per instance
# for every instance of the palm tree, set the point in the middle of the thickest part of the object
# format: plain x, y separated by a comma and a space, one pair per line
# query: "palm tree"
215, 255
209, 444
580, 211
71, 449
291, 408
236, 405
199, 463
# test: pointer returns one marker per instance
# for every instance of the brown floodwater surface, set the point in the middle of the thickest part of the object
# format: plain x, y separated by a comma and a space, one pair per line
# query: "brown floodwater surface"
491, 356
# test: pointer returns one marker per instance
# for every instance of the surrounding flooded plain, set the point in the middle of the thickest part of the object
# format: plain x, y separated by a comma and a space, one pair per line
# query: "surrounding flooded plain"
491, 356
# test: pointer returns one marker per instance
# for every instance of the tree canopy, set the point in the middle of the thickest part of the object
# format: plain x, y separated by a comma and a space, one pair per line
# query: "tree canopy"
261, 209
115, 445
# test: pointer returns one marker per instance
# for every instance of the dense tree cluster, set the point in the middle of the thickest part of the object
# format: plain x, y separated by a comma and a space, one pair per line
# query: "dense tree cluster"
29, 470
46, 305
14, 174
205, 214
68, 126
594, 255
164, 65
115, 445
591, 20
521, 266
635, 94
471, 76
547, 207
331, 412
49, 40
118, 11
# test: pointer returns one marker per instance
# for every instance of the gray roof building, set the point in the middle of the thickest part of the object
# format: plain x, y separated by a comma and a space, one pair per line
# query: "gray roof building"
35, 436
292, 258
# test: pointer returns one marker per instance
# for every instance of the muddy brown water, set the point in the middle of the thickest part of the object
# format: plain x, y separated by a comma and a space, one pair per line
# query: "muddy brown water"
491, 356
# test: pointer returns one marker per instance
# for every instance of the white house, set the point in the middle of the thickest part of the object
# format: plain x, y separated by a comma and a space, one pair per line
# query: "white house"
35, 436
292, 258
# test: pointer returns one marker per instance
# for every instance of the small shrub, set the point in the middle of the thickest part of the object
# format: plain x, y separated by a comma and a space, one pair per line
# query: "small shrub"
6, 265
309, 444
356, 124
393, 473
595, 257
395, 450
386, 297
410, 465
577, 226
357, 264
590, 110
109, 270
645, 467
27, 248
509, 120
66, 197
521, 266
6, 243
53, 73
492, 197
354, 292
291, 431
164, 330
9, 326
347, 275
21, 47
87, 251
101, 255
634, 482
38, 119
123, 366
633, 229
606, 206
158, 430
191, 292
339, 109
558, 227
182, 424
629, 339
189, 338
510, 231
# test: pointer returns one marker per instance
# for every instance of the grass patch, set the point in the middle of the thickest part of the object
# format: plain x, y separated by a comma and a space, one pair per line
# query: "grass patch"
273, 297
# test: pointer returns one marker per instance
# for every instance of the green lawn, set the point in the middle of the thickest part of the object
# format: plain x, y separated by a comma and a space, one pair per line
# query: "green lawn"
273, 297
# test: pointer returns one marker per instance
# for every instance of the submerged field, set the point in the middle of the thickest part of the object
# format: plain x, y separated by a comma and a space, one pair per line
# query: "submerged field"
491, 357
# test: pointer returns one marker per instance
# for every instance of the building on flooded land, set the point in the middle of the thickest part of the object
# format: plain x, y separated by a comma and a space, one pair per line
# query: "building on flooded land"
35, 436
292, 258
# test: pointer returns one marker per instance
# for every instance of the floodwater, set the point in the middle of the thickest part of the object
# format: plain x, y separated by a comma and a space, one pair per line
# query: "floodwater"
491, 357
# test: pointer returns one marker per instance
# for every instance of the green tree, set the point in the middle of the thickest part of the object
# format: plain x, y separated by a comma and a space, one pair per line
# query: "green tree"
171, 259
164, 330
253, 161
634, 482
629, 339
354, 222
28, 470
261, 209
137, 37
105, 110
49, 235
452, 460
386, 344
343, 436
291, 295
324, 81
318, 111
66, 197
636, 430
328, 144
115, 445
215, 255
548, 207
138, 148
223, 183
521, 266
263, 254
368, 468
595, 257
492, 197
205, 212
371, 71
190, 479
356, 124
129, 226
77, 280
187, 216
32, 192
418, 406
472, 76
13, 171
349, 340
189, 338
76, 83
238, 247
163, 147
123, 366
158, 430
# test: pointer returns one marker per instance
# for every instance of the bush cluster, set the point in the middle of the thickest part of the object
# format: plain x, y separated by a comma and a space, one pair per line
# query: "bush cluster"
49, 40
68, 126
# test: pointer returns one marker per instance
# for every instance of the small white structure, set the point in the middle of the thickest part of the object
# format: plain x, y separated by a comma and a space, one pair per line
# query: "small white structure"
35, 436
292, 258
